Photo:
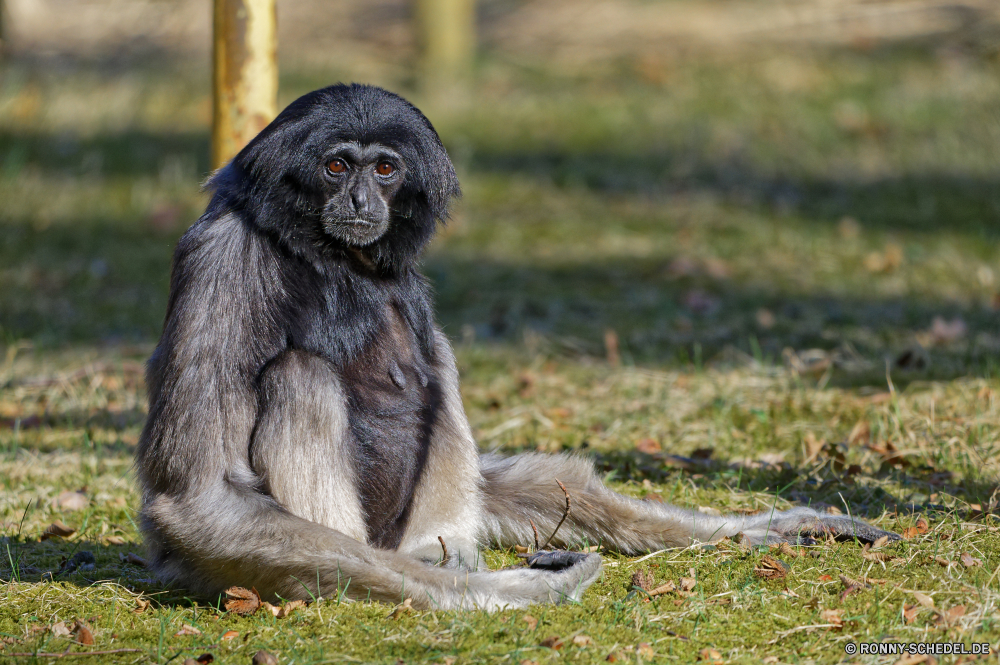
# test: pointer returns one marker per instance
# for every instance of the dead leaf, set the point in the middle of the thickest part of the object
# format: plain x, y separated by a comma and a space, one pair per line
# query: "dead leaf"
582, 640
951, 616
82, 633
944, 563
813, 447
765, 318
687, 583
710, 656
187, 629
969, 561
290, 607
771, 568
666, 587
530, 620
910, 612
520, 549
787, 593
880, 542
914, 659
528, 661
72, 501
648, 446
879, 556
404, 607
115, 540
241, 601
642, 579
910, 532
553, 642
135, 560
833, 617
229, 635
57, 530
825, 578
645, 651
615, 656
141, 606
264, 658
922, 525
61, 630
924, 599
946, 332
787, 550
205, 659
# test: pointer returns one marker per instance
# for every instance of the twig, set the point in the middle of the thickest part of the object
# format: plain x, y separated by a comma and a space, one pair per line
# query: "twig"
565, 515
42, 654
444, 549
535, 529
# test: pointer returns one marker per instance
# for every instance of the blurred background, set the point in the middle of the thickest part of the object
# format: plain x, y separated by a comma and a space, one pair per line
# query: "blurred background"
662, 183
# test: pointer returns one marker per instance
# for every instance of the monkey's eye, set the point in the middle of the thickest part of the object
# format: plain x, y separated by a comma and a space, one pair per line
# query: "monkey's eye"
337, 166
385, 168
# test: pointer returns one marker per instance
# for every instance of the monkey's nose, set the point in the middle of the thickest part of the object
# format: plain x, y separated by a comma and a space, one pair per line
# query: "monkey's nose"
359, 198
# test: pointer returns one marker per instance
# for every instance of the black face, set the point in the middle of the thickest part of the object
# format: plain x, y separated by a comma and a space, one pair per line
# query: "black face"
349, 167
362, 181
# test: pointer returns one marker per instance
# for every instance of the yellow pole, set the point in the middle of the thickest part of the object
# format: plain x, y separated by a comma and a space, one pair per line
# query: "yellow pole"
447, 36
245, 74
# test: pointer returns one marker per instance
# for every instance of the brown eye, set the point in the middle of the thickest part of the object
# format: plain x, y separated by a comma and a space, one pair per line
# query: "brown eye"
337, 166
385, 168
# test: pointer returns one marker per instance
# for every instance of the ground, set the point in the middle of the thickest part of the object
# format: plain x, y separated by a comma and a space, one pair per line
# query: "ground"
736, 265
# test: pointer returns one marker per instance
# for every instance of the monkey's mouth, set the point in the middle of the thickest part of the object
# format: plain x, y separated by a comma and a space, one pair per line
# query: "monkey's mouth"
357, 232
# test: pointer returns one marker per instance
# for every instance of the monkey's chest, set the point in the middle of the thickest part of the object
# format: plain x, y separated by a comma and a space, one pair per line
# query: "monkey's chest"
392, 397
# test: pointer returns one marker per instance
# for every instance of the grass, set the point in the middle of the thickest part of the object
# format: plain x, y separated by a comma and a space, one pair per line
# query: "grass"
735, 256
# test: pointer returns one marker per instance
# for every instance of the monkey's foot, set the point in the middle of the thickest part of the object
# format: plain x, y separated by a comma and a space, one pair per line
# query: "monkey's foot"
555, 560
803, 525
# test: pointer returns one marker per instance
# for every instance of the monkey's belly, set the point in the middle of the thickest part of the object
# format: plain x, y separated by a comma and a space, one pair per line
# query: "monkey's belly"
391, 426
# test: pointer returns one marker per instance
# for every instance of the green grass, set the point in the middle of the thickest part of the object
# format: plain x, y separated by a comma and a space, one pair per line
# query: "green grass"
723, 214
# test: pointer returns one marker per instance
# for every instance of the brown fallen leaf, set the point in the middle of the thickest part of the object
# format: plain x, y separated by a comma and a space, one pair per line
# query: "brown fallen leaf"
229, 635
528, 661
530, 620
878, 556
787, 550
910, 612
833, 617
404, 607
642, 579
290, 607
944, 563
582, 640
114, 540
648, 446
666, 587
264, 658
520, 549
924, 599
951, 616
57, 530
687, 583
61, 630
190, 661
241, 601
710, 656
771, 568
922, 526
880, 542
914, 659
969, 561
82, 633
72, 501
187, 629
910, 532
553, 642
205, 659
141, 606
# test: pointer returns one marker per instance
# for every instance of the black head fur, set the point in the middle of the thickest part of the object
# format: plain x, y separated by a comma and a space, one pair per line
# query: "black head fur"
275, 180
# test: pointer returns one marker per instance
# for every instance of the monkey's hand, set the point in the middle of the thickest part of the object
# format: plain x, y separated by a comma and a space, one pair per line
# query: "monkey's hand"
803, 525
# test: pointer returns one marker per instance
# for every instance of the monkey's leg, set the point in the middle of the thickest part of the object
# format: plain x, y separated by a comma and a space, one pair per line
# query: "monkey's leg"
523, 488
219, 530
